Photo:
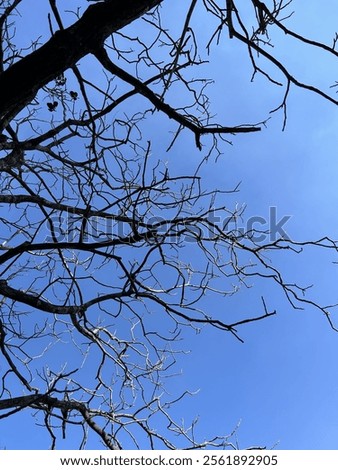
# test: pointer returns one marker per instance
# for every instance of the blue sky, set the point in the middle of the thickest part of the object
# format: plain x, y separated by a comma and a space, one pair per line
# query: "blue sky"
281, 384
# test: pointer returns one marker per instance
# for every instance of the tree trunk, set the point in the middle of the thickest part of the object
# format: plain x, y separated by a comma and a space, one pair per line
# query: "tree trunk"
20, 83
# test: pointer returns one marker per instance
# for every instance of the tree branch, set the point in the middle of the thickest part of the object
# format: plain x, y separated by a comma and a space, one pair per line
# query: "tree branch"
184, 121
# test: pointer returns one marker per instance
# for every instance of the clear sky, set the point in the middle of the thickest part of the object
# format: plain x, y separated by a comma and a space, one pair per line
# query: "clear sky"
281, 384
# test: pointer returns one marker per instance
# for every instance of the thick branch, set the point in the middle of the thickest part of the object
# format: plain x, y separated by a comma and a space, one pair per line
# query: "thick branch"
36, 199
20, 83
40, 399
22, 402
46, 401
159, 104
34, 301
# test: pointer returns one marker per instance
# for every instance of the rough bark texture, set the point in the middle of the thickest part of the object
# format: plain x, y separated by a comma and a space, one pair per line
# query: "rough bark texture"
20, 83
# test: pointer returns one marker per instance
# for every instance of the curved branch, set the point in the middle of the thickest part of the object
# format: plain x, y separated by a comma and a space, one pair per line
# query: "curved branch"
184, 121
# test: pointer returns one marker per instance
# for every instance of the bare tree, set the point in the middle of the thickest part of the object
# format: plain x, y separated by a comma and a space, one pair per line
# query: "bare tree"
98, 234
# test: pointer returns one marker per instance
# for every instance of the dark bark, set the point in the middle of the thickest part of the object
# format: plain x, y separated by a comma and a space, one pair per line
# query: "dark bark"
20, 83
